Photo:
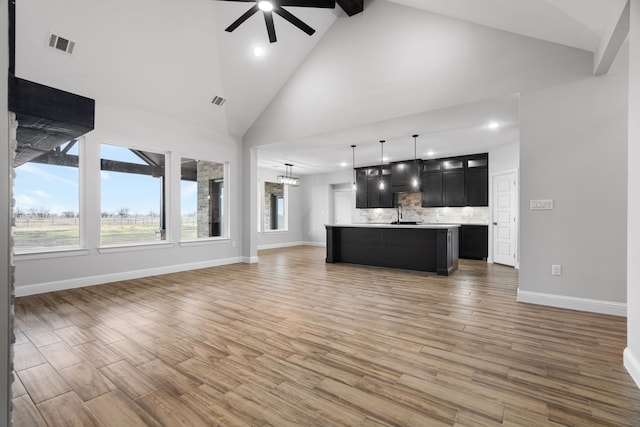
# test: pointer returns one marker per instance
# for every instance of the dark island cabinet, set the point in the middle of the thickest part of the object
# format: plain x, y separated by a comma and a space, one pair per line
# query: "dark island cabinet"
369, 194
455, 181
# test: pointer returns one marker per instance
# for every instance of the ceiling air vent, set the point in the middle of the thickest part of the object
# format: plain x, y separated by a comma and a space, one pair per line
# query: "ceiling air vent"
60, 43
218, 100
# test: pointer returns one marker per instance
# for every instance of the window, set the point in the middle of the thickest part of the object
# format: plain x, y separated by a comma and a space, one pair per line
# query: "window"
46, 212
132, 195
202, 199
274, 207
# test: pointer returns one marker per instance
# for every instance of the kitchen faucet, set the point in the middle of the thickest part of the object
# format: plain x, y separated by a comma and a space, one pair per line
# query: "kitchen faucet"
399, 212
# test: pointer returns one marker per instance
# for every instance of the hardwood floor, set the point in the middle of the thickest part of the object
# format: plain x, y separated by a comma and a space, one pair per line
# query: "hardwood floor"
293, 341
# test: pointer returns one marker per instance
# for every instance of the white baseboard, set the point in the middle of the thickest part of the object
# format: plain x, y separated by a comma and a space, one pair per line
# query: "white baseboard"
279, 245
574, 303
250, 260
60, 285
632, 363
319, 244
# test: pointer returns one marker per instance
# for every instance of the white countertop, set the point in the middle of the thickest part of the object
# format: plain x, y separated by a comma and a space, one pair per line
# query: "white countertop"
379, 225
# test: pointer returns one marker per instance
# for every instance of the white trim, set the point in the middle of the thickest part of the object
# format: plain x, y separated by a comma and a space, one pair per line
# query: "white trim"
61, 285
206, 241
632, 363
574, 303
134, 247
319, 244
50, 253
250, 260
279, 245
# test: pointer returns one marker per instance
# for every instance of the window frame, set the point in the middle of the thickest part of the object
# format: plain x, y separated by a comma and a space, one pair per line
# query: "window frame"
225, 212
165, 201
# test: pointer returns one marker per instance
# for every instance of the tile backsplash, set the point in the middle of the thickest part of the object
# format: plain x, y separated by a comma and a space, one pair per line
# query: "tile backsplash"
413, 211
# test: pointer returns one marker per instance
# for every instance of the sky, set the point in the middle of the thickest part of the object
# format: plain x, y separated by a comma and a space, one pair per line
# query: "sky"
56, 188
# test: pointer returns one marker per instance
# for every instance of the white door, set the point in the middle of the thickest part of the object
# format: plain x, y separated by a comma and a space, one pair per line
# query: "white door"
504, 218
342, 207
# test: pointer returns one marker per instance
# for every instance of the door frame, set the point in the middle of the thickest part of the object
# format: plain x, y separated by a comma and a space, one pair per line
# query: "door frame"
493, 176
339, 188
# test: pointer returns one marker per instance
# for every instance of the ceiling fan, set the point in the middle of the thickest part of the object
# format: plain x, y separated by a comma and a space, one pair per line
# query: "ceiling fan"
276, 6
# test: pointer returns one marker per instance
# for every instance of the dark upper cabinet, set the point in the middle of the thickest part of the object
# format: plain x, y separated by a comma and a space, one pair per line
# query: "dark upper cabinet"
455, 181
476, 183
450, 182
403, 175
361, 188
432, 190
476, 187
453, 188
368, 191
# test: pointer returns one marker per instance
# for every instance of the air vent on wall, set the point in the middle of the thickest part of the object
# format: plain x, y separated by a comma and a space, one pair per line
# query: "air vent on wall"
60, 43
218, 100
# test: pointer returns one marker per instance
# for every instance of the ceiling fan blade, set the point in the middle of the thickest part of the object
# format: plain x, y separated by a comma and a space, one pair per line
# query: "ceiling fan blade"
309, 3
295, 21
271, 29
243, 18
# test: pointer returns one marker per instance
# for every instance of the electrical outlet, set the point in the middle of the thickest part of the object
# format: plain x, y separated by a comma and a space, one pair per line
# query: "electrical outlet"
556, 270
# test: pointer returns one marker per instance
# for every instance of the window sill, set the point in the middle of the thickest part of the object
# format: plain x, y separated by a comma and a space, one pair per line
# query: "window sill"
275, 231
130, 247
205, 241
45, 253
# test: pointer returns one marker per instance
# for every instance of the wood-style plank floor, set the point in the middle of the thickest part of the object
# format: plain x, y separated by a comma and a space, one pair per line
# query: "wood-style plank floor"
293, 341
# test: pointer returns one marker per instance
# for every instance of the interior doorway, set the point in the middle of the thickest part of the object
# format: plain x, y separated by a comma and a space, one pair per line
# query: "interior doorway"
505, 218
342, 201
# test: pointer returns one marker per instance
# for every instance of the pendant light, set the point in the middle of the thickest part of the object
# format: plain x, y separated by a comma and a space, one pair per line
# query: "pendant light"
381, 163
353, 164
415, 183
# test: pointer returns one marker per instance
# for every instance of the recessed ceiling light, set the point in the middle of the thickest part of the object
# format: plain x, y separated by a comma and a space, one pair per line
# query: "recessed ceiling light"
265, 6
493, 125
258, 51
385, 159
430, 153
344, 164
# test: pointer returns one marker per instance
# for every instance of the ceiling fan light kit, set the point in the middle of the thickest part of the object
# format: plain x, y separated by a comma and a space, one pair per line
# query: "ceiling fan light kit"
268, 8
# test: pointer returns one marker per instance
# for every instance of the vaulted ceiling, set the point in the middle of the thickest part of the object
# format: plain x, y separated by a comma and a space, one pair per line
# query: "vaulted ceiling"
354, 80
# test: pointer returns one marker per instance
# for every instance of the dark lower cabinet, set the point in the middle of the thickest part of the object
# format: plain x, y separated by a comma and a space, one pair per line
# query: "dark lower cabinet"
474, 242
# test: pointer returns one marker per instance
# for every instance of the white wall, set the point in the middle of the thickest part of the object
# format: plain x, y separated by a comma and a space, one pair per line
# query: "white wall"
632, 353
573, 150
292, 236
316, 203
149, 95
120, 125
504, 157
408, 62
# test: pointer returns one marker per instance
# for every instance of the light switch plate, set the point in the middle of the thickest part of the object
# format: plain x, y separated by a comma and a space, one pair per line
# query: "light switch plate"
541, 205
556, 270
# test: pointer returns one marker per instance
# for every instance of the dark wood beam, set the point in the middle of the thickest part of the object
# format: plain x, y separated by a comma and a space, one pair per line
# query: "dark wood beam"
351, 7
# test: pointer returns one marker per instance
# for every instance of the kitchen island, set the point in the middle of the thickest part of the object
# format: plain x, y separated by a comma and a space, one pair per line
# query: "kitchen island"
423, 247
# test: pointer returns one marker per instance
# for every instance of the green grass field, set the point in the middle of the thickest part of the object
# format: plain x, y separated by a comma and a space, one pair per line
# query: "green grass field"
32, 233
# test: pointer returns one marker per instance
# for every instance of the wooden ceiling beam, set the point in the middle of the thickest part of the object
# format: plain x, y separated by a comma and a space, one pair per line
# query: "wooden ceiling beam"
351, 7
